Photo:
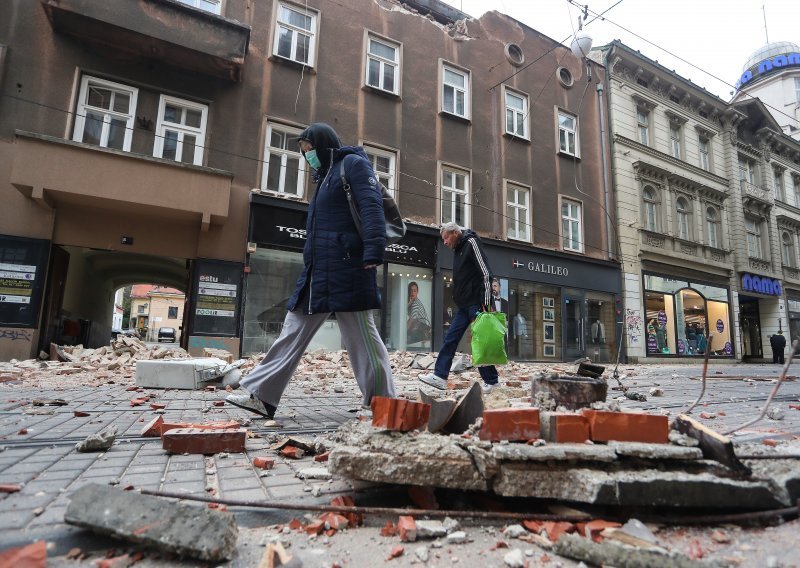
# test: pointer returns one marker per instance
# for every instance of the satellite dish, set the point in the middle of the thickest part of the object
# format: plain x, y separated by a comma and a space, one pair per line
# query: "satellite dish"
581, 44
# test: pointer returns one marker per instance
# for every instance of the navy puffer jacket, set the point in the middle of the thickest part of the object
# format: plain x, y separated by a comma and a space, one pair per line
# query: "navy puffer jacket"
334, 278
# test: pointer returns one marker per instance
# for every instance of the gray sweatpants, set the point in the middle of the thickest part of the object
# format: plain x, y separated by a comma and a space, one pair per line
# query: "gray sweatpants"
368, 355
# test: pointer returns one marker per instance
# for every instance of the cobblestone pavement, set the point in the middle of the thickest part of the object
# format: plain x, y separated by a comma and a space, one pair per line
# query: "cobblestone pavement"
38, 442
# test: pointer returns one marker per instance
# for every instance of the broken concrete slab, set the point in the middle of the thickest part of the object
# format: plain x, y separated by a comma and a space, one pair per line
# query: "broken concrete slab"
98, 442
615, 554
714, 445
468, 409
571, 392
441, 411
193, 531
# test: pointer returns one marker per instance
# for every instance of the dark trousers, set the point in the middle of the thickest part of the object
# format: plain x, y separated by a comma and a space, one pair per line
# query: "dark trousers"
777, 356
458, 326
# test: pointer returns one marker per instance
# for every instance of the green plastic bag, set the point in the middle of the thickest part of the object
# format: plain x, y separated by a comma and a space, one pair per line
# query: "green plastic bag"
489, 339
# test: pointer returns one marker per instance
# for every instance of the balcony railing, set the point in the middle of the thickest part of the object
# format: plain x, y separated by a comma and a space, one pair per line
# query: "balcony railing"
754, 190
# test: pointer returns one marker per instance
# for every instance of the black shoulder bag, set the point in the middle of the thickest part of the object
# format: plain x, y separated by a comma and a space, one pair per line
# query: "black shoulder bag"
395, 226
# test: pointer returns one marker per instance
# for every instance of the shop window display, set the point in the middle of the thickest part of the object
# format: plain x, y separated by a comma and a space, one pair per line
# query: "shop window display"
409, 308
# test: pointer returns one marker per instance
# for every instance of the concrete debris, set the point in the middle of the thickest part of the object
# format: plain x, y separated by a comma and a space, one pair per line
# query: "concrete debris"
196, 532
515, 531
609, 553
776, 413
430, 529
99, 442
422, 554
515, 558
634, 532
460, 363
572, 392
456, 537
320, 473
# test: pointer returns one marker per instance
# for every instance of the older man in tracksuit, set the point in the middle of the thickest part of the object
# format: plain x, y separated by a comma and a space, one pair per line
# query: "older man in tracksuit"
471, 293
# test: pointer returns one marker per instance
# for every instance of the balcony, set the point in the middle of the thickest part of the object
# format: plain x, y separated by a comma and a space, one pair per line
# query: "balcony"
167, 30
752, 192
658, 244
84, 175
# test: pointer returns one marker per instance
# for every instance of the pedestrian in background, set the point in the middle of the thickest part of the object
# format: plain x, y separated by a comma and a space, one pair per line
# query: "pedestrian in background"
778, 344
471, 294
339, 276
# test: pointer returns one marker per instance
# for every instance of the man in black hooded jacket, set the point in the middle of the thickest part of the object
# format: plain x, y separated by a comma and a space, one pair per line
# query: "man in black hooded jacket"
471, 293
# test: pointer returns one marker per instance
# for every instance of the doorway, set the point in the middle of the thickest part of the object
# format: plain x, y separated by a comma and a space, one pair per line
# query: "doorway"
750, 323
574, 328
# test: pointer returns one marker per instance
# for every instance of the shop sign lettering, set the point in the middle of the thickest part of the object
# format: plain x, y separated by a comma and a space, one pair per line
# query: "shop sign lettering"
767, 65
401, 249
15, 334
542, 268
720, 326
293, 232
761, 284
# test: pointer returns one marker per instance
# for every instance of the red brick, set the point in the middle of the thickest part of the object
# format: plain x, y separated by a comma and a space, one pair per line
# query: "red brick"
139, 401
158, 405
9, 488
218, 403
227, 425
592, 529
322, 457
294, 524
314, 528
263, 463
29, 556
407, 527
512, 424
396, 552
292, 452
556, 529
153, 428
565, 427
354, 519
335, 520
203, 441
388, 529
399, 414
606, 426
79, 414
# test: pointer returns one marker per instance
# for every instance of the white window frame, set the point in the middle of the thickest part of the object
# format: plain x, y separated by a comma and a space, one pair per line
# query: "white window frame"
780, 187
383, 63
83, 108
796, 188
704, 150
571, 225
519, 118
746, 170
182, 130
569, 134
651, 209
683, 218
388, 179
310, 33
285, 154
643, 125
787, 249
452, 190
518, 214
675, 140
456, 89
210, 6
713, 222
753, 230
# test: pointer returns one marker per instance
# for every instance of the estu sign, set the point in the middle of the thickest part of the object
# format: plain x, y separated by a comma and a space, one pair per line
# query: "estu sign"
761, 285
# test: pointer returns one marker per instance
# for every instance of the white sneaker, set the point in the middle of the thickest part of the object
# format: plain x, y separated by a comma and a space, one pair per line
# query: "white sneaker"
251, 403
487, 388
434, 381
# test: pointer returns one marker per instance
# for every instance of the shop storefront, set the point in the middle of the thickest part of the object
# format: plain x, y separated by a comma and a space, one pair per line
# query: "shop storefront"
557, 307
686, 318
760, 313
275, 261
793, 307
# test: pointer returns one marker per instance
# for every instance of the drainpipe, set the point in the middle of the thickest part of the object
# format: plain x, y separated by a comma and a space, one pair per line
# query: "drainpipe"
605, 169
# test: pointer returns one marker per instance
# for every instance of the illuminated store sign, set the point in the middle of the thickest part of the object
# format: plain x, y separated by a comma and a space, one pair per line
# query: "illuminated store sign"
768, 65
761, 285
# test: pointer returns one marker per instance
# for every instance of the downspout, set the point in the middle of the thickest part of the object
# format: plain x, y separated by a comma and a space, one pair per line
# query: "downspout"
605, 170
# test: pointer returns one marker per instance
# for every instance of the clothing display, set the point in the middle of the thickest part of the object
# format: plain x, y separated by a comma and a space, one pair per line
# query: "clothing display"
598, 332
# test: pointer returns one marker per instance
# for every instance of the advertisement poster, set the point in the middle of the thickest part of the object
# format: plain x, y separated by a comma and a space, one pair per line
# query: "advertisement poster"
215, 302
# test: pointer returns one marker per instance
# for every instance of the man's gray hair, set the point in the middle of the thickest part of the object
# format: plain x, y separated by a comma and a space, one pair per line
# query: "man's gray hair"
450, 228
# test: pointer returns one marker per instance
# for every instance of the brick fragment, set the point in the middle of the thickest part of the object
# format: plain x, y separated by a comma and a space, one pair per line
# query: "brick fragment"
388, 529
294, 524
605, 426
292, 452
314, 528
9, 488
322, 457
263, 463
139, 401
512, 424
399, 414
29, 556
592, 529
556, 529
158, 405
407, 527
204, 441
335, 520
79, 414
218, 403
566, 427
396, 552
353, 519
153, 428
226, 425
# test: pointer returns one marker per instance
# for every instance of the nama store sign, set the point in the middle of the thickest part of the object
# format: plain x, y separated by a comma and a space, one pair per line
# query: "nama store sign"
761, 285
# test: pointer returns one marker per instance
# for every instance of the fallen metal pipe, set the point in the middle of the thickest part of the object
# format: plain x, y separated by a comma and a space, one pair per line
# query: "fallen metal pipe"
705, 374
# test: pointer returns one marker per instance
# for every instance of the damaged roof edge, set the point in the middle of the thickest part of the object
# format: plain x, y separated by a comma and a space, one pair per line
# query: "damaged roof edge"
441, 12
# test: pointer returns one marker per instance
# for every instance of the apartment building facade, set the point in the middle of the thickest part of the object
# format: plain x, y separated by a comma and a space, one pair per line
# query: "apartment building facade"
707, 215
154, 141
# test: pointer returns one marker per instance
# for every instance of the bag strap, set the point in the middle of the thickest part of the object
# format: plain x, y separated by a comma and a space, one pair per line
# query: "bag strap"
349, 193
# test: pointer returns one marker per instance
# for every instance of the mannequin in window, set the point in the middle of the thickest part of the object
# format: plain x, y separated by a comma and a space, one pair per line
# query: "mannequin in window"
499, 304
598, 332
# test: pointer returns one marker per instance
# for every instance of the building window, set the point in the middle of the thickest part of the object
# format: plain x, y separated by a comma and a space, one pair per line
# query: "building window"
455, 91
141, 309
650, 204
567, 133
516, 114
780, 190
683, 218
284, 166
455, 193
675, 140
643, 126
571, 225
105, 114
295, 34
746, 173
796, 187
172, 312
384, 164
181, 130
704, 148
712, 227
787, 249
383, 64
213, 6
797, 90
753, 228
518, 212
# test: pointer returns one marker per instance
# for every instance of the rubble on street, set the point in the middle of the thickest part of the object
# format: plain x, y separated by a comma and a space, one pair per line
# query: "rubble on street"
429, 478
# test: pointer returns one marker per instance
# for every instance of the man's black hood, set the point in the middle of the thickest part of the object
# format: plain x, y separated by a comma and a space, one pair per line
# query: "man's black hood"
324, 139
